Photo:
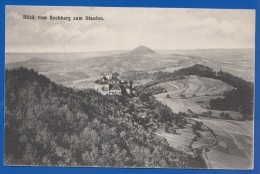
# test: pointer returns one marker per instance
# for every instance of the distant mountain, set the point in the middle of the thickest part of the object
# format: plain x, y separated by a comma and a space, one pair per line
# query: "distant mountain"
141, 50
38, 60
55, 70
61, 67
38, 64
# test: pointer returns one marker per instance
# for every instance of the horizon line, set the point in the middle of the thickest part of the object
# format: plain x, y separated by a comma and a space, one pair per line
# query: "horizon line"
6, 52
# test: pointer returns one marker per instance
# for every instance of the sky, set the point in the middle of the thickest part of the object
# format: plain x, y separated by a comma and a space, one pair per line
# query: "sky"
127, 28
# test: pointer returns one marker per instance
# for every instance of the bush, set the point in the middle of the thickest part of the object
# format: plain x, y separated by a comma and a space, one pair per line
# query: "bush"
225, 116
190, 111
182, 95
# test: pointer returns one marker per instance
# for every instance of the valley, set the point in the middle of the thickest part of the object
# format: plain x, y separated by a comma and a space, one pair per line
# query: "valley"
186, 81
57, 66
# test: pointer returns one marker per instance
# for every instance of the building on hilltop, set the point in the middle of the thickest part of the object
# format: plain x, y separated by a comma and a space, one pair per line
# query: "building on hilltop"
110, 84
101, 86
110, 76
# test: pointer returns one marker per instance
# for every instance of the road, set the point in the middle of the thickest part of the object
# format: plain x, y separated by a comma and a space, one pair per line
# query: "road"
205, 147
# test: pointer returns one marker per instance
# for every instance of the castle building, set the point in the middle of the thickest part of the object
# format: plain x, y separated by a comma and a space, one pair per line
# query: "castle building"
109, 76
110, 84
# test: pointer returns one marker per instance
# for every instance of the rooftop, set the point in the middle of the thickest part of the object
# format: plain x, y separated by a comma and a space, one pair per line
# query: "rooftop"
116, 87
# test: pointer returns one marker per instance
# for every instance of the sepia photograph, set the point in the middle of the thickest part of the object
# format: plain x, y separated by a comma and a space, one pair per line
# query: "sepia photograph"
129, 87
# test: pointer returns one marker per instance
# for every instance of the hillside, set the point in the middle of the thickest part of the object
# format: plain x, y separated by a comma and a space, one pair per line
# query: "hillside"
52, 69
239, 99
39, 64
49, 124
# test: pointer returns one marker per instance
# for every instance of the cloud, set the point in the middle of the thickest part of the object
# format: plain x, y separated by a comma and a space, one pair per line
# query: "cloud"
58, 33
125, 28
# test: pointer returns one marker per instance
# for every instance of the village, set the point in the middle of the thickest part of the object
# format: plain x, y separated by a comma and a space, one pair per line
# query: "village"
111, 84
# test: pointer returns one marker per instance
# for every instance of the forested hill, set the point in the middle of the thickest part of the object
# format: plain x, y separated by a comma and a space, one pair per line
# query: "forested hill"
240, 99
48, 124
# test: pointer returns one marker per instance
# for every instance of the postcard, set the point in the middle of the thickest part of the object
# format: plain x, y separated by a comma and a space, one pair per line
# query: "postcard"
129, 87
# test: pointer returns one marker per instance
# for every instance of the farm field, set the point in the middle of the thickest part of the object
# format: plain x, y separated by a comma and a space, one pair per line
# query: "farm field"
235, 142
182, 140
234, 138
197, 92
181, 105
194, 86
82, 83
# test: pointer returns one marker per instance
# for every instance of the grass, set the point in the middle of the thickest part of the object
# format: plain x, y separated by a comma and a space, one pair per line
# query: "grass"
181, 140
234, 149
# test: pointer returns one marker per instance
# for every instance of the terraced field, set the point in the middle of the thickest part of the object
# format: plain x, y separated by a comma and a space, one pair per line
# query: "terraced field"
199, 86
193, 93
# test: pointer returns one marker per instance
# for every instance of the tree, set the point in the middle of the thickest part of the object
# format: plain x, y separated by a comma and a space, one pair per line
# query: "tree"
190, 111
131, 86
63, 126
143, 97
182, 95
29, 156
